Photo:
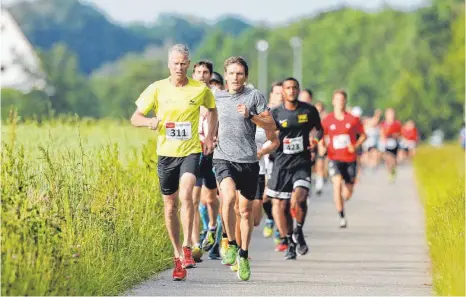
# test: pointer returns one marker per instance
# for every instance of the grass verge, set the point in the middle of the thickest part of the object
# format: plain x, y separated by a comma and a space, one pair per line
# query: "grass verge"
76, 220
441, 178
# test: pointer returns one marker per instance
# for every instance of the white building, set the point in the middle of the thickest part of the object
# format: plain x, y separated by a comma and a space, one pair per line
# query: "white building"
19, 64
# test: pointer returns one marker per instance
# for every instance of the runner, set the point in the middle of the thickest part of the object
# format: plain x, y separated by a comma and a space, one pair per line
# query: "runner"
266, 142
357, 113
305, 96
206, 207
342, 128
462, 137
321, 159
371, 145
275, 99
216, 82
291, 176
409, 141
176, 103
235, 157
390, 134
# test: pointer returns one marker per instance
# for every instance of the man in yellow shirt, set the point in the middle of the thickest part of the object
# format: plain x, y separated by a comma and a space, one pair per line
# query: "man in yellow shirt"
176, 103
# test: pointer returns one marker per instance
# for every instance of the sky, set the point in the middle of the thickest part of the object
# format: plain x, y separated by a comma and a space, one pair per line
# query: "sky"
273, 12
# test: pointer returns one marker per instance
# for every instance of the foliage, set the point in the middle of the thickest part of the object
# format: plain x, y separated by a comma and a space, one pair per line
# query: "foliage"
440, 175
96, 40
81, 214
413, 61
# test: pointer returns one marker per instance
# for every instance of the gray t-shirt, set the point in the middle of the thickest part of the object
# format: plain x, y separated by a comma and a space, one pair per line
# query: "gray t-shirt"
236, 134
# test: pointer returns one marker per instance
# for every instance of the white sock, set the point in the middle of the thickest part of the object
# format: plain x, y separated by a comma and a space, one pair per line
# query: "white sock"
319, 183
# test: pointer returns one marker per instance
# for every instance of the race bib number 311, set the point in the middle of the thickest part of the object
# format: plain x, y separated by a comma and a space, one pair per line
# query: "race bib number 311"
178, 130
293, 145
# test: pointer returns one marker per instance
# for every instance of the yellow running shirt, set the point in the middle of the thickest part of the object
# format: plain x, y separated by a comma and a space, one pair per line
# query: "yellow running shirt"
177, 108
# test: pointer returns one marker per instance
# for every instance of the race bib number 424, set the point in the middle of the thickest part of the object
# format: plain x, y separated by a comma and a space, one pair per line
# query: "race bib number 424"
293, 145
178, 130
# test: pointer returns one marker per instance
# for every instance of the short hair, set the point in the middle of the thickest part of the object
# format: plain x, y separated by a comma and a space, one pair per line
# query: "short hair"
208, 64
180, 48
291, 79
275, 84
341, 92
216, 77
308, 91
236, 60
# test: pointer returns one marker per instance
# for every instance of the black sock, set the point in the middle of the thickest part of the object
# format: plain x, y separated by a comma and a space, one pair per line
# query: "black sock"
342, 214
243, 253
289, 239
267, 206
299, 226
224, 235
232, 243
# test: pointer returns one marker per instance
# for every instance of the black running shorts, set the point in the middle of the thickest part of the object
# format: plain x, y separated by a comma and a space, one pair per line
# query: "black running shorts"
260, 187
348, 170
245, 176
284, 181
206, 173
170, 170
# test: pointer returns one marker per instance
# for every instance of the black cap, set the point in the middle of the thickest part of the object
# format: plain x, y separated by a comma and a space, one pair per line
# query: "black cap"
216, 77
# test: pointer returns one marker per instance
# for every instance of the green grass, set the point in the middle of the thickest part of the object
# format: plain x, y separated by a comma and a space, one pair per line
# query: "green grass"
440, 175
81, 211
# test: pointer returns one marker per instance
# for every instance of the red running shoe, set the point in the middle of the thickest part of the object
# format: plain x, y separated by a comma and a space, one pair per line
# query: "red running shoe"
188, 260
179, 273
282, 247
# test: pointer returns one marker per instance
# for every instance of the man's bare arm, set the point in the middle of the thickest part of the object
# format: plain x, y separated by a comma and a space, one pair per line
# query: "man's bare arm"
138, 119
265, 121
212, 122
275, 143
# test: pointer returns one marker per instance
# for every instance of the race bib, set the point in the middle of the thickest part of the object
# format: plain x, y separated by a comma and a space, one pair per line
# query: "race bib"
391, 143
410, 144
178, 130
293, 145
341, 141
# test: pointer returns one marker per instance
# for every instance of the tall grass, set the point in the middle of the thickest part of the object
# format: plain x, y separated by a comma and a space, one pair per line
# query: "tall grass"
79, 215
441, 178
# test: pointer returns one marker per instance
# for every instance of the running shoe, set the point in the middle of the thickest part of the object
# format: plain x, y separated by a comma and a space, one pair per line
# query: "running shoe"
282, 246
234, 267
203, 235
197, 254
223, 247
244, 270
276, 237
230, 255
268, 229
298, 237
188, 261
179, 273
291, 252
209, 240
343, 223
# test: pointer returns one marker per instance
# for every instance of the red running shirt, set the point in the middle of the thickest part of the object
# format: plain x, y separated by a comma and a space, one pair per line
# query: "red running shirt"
389, 129
410, 134
340, 134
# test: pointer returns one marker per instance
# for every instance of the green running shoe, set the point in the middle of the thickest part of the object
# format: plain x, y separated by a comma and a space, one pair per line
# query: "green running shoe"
244, 271
230, 255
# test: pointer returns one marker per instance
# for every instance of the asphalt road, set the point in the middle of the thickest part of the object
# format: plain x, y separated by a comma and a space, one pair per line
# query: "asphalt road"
382, 252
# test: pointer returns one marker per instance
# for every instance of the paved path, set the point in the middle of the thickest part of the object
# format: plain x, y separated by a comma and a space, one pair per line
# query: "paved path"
382, 252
